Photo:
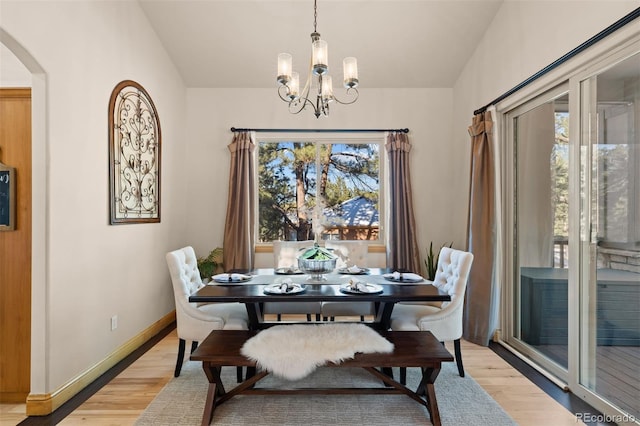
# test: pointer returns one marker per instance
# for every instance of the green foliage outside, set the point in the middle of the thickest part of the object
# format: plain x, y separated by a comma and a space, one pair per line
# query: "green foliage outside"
297, 180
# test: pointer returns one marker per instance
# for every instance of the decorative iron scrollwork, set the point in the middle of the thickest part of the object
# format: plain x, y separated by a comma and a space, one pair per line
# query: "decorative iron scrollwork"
134, 155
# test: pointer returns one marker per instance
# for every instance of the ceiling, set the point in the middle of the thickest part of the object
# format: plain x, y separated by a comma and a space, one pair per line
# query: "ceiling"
398, 43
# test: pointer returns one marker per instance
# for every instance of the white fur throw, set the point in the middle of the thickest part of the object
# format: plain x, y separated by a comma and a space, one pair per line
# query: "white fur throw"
294, 351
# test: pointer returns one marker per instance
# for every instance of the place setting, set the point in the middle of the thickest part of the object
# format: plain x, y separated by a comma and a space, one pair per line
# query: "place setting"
287, 286
403, 277
290, 270
354, 270
360, 287
229, 277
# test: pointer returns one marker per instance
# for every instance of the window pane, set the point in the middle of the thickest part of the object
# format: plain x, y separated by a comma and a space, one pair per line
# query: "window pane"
542, 190
610, 250
351, 192
308, 188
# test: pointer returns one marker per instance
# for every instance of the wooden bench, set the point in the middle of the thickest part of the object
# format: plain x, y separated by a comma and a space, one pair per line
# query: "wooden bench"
411, 349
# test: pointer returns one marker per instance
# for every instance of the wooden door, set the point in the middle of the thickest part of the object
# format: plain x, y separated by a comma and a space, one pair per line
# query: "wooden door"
15, 249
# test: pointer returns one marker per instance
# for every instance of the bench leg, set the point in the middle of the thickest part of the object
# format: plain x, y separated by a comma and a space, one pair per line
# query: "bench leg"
427, 389
209, 405
216, 389
403, 375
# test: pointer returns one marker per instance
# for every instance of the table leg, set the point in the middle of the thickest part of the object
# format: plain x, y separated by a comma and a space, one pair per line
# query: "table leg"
255, 315
383, 316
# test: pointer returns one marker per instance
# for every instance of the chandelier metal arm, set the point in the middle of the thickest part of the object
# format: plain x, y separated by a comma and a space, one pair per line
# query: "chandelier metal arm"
349, 90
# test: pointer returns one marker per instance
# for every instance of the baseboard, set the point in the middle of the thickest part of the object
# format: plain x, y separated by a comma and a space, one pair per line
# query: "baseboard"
44, 404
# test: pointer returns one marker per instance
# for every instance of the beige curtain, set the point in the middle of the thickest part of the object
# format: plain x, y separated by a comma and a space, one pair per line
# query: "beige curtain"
535, 139
402, 246
481, 295
239, 229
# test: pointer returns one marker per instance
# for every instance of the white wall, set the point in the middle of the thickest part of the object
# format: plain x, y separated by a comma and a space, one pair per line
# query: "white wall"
93, 270
439, 172
524, 37
12, 72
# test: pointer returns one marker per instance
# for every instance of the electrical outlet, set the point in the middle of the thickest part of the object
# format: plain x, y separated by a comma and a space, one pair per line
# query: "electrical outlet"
114, 322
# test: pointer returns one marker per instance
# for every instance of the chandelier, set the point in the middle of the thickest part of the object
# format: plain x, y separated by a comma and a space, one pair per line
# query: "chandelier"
318, 77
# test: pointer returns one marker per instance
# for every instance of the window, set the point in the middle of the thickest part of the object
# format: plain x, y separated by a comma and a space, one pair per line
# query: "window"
327, 187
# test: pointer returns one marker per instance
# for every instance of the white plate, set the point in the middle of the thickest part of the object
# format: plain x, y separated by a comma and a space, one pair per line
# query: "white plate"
231, 278
404, 278
288, 271
360, 271
277, 289
371, 289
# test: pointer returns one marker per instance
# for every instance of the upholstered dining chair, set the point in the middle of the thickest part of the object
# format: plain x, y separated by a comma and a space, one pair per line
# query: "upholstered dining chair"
444, 321
285, 255
350, 253
195, 322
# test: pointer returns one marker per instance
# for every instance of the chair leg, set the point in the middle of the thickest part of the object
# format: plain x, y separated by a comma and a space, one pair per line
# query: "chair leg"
456, 348
308, 317
318, 317
325, 318
194, 346
181, 345
279, 317
403, 375
361, 318
239, 374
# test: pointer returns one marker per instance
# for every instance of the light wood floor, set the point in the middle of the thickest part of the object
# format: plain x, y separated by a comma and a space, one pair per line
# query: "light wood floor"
122, 400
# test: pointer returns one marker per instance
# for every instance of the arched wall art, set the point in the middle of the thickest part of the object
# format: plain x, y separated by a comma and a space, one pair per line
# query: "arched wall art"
134, 155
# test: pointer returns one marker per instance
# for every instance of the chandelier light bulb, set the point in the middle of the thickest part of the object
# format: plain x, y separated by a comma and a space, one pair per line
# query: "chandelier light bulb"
284, 68
326, 88
294, 86
320, 57
350, 67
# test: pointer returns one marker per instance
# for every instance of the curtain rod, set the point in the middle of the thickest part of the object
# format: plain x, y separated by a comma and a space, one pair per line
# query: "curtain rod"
593, 40
237, 129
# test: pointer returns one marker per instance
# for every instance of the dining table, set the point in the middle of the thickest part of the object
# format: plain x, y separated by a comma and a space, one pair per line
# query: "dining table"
331, 288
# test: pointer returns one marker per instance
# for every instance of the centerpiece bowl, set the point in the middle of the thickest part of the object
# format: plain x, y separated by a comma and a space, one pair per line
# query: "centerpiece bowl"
316, 262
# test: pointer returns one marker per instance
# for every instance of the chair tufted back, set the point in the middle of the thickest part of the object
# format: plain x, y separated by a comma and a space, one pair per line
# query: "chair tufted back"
285, 253
453, 271
183, 267
349, 253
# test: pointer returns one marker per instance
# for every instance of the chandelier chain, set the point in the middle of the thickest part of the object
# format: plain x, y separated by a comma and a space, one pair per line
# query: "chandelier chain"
315, 16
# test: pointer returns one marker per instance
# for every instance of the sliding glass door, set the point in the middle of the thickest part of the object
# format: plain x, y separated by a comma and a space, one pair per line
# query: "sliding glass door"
571, 229
609, 261
538, 194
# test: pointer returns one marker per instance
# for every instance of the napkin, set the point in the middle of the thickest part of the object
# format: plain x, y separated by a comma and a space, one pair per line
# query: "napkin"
358, 286
287, 286
354, 269
224, 278
404, 276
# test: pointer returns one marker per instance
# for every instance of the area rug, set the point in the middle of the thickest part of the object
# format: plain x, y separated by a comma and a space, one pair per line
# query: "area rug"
461, 401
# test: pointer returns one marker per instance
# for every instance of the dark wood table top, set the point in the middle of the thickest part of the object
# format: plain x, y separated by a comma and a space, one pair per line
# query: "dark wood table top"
327, 291
252, 294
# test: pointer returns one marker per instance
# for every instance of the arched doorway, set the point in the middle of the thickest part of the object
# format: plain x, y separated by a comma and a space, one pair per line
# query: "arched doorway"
32, 333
